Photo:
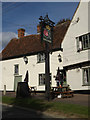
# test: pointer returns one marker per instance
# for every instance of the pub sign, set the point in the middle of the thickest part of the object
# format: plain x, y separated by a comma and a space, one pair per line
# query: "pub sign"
46, 29
47, 34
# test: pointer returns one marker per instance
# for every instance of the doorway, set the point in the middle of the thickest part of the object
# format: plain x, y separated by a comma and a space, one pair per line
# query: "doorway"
16, 80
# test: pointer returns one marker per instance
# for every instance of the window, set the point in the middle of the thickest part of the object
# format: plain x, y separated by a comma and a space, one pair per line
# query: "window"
83, 42
40, 57
16, 69
86, 76
42, 79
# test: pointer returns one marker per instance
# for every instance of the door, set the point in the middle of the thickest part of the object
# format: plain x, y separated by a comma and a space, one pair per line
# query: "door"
16, 80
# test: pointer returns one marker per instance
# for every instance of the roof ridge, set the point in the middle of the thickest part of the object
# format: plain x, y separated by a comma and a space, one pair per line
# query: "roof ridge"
32, 35
66, 22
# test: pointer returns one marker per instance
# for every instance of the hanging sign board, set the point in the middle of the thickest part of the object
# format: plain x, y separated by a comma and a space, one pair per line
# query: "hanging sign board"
47, 34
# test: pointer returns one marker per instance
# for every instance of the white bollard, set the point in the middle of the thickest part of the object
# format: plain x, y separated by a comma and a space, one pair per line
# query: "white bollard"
4, 89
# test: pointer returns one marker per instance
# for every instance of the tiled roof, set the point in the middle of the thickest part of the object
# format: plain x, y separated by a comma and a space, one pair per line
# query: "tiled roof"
31, 44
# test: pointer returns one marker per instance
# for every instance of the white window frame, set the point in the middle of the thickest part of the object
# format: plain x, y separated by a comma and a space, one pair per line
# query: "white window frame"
83, 42
42, 80
86, 76
16, 72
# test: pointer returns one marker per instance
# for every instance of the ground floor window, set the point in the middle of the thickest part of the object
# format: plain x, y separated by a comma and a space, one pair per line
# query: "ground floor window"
86, 76
42, 79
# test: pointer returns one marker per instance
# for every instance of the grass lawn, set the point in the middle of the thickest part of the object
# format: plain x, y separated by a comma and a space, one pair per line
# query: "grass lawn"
43, 105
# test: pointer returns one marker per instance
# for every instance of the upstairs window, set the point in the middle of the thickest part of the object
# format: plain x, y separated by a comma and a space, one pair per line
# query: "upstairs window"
86, 76
83, 42
40, 57
16, 69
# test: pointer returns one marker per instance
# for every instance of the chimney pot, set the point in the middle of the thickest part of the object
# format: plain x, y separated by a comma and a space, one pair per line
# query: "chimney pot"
21, 32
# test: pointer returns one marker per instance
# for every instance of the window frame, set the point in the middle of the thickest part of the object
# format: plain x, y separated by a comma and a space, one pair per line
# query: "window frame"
44, 81
84, 40
40, 83
16, 73
88, 76
40, 57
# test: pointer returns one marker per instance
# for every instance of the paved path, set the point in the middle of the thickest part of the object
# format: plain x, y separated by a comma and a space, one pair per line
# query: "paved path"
79, 99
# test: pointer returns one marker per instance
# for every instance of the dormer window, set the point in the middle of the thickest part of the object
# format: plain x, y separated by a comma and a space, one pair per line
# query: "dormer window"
83, 42
40, 57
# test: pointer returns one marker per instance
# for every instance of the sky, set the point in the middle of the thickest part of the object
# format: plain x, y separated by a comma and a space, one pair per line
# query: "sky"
26, 15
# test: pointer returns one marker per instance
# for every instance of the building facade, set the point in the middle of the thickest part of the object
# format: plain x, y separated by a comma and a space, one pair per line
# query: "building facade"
76, 49
14, 68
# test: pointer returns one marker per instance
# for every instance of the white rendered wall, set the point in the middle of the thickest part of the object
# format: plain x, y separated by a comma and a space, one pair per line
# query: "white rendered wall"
8, 73
75, 79
70, 54
33, 68
54, 64
0, 75
89, 24
88, 16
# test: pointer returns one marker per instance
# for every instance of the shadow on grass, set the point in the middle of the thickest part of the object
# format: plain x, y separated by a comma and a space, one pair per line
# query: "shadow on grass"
29, 102
43, 105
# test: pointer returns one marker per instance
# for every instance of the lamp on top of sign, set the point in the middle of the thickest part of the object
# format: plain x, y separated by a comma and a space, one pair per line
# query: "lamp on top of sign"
46, 29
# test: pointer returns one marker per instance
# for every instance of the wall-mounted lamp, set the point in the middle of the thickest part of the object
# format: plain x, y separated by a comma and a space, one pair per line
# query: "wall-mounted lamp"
25, 59
78, 70
59, 58
77, 19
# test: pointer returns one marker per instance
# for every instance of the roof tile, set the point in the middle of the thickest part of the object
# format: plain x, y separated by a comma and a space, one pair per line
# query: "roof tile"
32, 44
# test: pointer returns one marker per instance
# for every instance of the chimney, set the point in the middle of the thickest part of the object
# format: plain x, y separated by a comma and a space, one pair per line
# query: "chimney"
38, 29
21, 32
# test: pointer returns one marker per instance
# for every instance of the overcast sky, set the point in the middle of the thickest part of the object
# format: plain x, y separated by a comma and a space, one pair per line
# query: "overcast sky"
26, 15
